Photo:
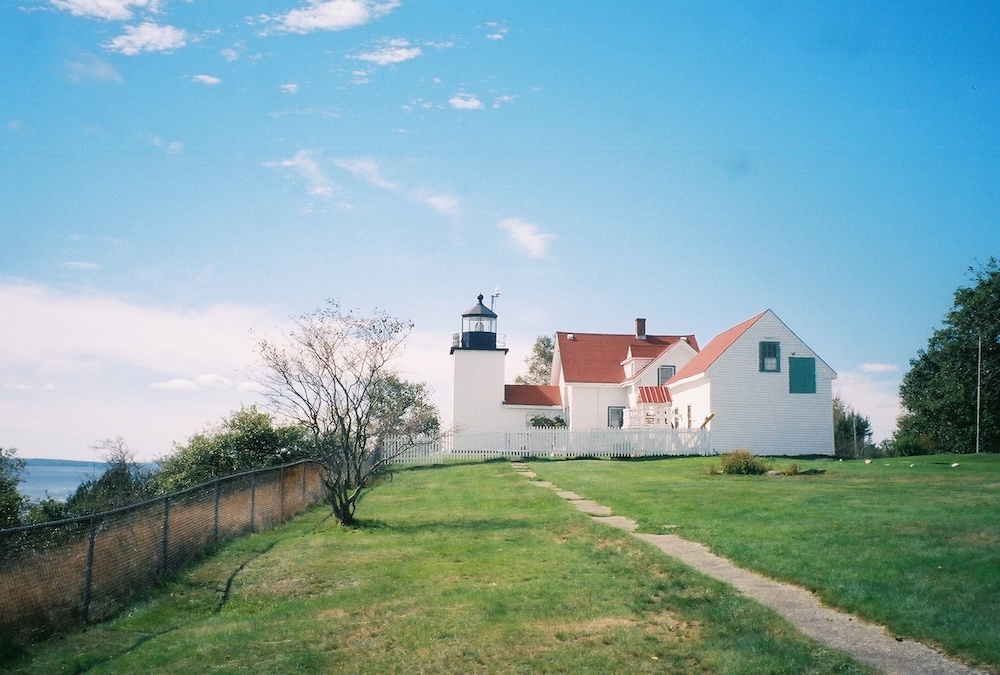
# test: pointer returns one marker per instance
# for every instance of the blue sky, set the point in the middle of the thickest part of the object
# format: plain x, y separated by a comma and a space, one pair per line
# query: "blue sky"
180, 177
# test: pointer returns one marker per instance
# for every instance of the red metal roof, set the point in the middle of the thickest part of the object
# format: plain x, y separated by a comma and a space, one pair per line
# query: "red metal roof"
597, 357
719, 344
532, 394
654, 395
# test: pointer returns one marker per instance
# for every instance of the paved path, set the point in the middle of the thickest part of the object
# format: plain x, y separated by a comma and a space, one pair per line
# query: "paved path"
865, 641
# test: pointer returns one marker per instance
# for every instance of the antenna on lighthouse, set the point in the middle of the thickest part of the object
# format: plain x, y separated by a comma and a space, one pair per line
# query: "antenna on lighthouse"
493, 298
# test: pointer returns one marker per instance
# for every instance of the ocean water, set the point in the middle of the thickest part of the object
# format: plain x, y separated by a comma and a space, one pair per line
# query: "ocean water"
56, 478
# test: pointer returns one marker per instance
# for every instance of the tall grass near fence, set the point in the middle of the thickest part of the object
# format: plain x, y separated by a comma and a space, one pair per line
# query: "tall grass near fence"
60, 574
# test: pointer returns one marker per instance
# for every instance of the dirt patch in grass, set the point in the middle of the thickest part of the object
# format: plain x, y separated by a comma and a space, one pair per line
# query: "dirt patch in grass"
583, 630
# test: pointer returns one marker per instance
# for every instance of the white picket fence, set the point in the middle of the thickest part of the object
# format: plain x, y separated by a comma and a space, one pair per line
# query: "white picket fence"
559, 443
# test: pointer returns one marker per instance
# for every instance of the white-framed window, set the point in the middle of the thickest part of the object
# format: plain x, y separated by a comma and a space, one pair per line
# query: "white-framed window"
616, 416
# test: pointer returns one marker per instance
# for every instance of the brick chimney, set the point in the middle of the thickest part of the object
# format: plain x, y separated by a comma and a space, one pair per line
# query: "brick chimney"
640, 329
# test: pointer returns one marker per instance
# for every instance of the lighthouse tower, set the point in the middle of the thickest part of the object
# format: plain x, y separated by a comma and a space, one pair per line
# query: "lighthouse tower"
479, 371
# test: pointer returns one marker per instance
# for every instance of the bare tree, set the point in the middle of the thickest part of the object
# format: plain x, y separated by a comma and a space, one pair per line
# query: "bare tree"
330, 375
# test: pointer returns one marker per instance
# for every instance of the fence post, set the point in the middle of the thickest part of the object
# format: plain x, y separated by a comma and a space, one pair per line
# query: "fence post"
90, 569
253, 496
166, 529
281, 494
215, 517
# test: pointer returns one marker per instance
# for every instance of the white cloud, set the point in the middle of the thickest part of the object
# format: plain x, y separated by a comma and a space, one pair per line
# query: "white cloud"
176, 385
15, 125
88, 67
289, 88
208, 381
109, 10
879, 368
443, 204
391, 51
309, 169
206, 79
367, 169
231, 55
465, 102
874, 394
212, 380
526, 238
331, 15
79, 265
497, 32
500, 100
148, 37
103, 365
169, 147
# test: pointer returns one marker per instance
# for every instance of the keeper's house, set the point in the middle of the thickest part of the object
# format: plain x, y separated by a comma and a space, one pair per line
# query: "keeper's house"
755, 386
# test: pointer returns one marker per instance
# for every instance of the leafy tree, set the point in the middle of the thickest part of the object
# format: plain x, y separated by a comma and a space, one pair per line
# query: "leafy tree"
247, 439
939, 392
124, 482
332, 376
852, 431
539, 362
402, 408
11, 501
46, 510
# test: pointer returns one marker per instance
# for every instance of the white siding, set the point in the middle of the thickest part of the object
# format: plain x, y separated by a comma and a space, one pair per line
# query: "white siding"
479, 390
698, 395
755, 410
516, 417
588, 404
677, 356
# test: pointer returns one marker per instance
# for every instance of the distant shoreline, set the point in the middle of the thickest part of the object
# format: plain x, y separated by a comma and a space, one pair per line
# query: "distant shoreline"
56, 478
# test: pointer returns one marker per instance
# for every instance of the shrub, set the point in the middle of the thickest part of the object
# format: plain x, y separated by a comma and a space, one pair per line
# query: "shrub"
908, 446
791, 470
744, 463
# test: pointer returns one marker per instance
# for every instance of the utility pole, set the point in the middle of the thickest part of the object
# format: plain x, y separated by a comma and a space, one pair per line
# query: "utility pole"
979, 387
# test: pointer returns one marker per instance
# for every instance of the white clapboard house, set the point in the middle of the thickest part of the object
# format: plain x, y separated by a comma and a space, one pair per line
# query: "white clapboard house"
754, 386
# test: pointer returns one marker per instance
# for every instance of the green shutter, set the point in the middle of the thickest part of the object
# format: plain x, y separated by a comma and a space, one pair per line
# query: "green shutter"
801, 375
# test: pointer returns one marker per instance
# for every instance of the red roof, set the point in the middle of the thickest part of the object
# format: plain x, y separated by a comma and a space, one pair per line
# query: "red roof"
719, 344
654, 395
532, 394
597, 357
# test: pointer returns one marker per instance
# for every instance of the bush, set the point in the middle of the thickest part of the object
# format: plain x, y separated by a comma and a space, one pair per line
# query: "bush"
744, 463
791, 470
909, 446
543, 422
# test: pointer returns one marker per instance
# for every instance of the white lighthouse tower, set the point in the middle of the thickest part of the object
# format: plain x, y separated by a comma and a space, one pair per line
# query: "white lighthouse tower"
479, 371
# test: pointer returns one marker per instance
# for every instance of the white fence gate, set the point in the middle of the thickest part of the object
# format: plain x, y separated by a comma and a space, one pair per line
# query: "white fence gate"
561, 443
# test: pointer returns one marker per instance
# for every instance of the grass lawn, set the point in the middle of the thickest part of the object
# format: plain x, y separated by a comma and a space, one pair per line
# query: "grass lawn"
452, 569
916, 548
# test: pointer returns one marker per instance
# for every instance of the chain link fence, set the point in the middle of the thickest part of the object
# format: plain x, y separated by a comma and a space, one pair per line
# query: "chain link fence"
61, 574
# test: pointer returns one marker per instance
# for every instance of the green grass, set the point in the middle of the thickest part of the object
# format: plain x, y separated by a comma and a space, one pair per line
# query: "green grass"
453, 569
916, 548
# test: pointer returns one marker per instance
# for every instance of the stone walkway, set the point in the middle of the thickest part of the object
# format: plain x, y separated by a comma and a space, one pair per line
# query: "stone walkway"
867, 642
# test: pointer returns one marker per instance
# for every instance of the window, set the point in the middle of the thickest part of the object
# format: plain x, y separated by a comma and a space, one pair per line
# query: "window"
616, 416
770, 357
801, 375
664, 373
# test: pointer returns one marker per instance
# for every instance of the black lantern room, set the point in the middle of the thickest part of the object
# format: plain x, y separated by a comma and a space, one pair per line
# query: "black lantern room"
479, 328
